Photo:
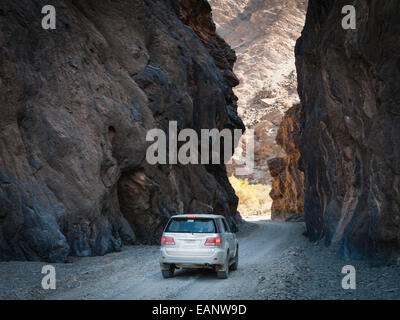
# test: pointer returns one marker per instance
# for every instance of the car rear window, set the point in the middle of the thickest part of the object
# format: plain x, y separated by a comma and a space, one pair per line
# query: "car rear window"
187, 225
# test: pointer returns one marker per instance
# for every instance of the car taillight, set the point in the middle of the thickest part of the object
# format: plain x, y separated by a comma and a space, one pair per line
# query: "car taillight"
167, 240
213, 241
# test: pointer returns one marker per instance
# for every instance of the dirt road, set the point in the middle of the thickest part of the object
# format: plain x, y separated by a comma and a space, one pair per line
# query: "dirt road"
276, 262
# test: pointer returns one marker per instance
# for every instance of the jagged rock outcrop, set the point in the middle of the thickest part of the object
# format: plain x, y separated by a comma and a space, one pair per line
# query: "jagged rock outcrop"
263, 33
350, 146
76, 103
287, 179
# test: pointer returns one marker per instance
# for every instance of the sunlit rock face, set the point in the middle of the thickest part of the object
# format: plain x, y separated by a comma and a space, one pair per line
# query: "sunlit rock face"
76, 104
287, 179
350, 146
263, 33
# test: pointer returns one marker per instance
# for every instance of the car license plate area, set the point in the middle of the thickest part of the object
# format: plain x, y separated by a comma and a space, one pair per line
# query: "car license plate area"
190, 243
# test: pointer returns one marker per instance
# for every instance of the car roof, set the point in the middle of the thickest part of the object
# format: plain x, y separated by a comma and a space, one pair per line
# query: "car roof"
211, 216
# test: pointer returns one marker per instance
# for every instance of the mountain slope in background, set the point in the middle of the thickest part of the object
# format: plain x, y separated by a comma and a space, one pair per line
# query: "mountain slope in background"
263, 33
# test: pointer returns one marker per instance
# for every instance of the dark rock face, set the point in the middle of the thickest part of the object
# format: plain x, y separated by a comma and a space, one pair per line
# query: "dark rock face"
287, 179
76, 103
350, 146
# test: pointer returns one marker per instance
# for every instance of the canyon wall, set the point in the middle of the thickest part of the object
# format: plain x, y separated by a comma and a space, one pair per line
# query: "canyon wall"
287, 179
76, 104
350, 141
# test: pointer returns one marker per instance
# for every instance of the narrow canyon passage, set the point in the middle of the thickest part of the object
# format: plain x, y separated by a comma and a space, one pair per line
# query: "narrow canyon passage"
263, 35
338, 149
78, 103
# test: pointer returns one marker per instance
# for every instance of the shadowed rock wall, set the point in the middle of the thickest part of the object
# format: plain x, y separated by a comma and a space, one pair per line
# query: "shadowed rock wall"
76, 103
350, 144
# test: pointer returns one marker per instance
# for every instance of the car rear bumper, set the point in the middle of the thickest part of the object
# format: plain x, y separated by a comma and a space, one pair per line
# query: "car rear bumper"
192, 259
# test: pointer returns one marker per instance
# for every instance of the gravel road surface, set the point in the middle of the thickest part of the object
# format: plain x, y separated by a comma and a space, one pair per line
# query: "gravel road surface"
276, 262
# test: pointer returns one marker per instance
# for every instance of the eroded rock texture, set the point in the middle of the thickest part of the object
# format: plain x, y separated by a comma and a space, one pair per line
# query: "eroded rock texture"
287, 179
76, 103
350, 145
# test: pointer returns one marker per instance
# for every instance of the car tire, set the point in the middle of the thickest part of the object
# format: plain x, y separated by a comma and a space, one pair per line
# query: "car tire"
168, 273
224, 274
235, 264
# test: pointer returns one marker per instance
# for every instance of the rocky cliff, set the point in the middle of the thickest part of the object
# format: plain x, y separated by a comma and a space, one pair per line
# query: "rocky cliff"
350, 146
76, 104
287, 179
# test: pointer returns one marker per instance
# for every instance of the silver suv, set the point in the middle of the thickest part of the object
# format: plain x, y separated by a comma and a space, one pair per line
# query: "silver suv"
198, 241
